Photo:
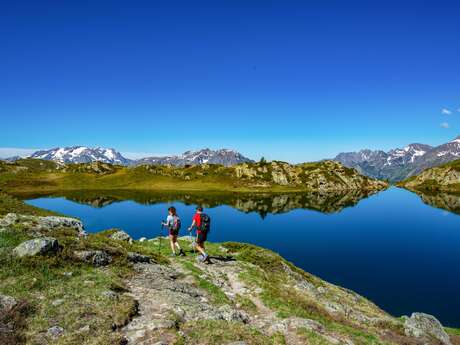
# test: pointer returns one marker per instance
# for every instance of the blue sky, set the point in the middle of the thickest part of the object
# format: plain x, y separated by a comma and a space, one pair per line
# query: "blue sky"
290, 80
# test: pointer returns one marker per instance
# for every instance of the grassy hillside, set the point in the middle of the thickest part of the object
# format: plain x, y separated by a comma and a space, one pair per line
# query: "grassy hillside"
248, 294
29, 175
444, 178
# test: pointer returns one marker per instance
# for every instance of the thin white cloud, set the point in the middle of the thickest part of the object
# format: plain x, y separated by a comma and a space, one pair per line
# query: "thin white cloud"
458, 110
6, 152
444, 125
446, 111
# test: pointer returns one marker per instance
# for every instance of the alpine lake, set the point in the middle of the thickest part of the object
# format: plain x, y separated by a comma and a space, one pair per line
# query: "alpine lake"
399, 249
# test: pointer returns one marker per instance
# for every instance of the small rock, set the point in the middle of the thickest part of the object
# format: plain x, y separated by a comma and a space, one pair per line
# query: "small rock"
422, 325
84, 329
55, 331
57, 302
237, 343
37, 246
7, 303
120, 235
143, 239
67, 274
136, 257
101, 259
96, 257
109, 294
321, 290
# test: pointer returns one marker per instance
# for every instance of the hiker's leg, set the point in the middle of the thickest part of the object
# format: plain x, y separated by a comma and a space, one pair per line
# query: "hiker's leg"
176, 243
199, 247
171, 243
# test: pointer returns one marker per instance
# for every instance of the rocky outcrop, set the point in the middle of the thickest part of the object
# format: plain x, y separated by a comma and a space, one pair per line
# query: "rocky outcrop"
120, 235
37, 246
444, 178
322, 176
426, 327
96, 257
38, 225
136, 257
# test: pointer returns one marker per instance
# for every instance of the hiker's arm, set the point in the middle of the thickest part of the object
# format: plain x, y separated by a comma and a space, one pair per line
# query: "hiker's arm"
191, 226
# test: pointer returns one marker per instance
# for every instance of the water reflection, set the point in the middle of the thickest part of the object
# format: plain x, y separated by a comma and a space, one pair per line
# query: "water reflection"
446, 201
262, 203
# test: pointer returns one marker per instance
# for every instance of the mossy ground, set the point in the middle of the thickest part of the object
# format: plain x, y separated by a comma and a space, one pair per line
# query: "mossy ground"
68, 294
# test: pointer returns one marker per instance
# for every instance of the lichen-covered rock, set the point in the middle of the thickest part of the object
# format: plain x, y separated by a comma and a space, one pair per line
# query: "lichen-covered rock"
120, 235
321, 176
37, 246
136, 257
55, 331
96, 257
41, 224
426, 326
7, 303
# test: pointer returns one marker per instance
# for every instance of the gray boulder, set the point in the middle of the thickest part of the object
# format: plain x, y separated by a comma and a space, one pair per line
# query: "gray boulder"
6, 303
96, 257
55, 331
136, 257
422, 325
120, 235
37, 246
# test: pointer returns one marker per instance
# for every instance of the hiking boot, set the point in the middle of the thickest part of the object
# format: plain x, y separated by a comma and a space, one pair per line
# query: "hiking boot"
181, 253
172, 254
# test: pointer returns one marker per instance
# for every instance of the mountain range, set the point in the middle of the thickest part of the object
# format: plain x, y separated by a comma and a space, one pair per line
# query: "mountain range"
401, 163
83, 154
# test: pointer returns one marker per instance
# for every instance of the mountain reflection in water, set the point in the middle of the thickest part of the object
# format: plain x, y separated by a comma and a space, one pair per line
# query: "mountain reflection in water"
262, 203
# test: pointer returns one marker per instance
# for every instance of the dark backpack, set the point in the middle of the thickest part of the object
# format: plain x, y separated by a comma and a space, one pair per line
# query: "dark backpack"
176, 224
205, 224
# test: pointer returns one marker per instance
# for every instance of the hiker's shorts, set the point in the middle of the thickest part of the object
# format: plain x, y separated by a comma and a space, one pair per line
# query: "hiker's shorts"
201, 237
173, 232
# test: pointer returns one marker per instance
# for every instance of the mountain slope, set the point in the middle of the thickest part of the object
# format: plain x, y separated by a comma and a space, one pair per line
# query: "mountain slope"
38, 175
444, 178
399, 164
82, 154
224, 157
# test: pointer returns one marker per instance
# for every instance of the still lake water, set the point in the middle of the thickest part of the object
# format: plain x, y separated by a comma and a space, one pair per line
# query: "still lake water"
392, 248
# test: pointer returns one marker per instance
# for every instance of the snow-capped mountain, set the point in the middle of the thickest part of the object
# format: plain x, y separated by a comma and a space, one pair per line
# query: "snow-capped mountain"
399, 164
11, 159
82, 154
224, 156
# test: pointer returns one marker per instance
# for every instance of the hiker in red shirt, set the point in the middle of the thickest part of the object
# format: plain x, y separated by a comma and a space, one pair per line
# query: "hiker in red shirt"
202, 223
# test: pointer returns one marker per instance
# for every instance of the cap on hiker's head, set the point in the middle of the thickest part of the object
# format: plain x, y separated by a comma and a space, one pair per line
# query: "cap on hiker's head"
199, 208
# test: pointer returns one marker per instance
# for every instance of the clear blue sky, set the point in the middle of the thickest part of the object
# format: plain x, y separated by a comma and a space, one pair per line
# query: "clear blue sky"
291, 80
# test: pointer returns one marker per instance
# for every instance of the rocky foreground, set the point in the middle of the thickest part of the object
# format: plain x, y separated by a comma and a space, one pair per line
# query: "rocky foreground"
60, 285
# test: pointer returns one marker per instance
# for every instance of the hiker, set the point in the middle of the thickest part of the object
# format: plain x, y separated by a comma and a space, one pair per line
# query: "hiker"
202, 223
173, 224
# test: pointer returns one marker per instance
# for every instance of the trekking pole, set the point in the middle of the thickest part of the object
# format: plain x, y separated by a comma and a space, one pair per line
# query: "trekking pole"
192, 242
159, 238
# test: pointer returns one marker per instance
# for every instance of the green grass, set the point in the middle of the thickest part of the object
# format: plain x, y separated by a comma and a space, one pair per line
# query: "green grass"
217, 332
77, 287
217, 295
453, 331
9, 204
311, 337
